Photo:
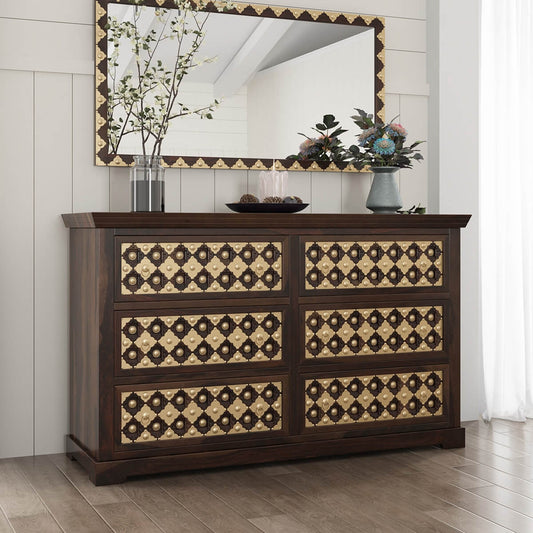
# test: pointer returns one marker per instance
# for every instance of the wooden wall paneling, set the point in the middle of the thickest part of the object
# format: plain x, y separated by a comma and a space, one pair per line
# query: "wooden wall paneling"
392, 106
172, 190
405, 72
90, 183
414, 181
73, 11
53, 196
16, 267
405, 34
392, 110
253, 182
119, 189
46, 46
355, 189
198, 191
299, 184
326, 192
229, 185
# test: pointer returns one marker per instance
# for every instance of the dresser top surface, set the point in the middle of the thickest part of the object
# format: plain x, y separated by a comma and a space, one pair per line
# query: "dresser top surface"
261, 220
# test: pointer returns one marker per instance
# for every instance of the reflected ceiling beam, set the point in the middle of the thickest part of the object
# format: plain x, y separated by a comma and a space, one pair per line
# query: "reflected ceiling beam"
247, 60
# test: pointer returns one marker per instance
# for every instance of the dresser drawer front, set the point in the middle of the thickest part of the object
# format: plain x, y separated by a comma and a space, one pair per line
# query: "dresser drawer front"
157, 268
369, 398
350, 264
188, 413
200, 339
373, 331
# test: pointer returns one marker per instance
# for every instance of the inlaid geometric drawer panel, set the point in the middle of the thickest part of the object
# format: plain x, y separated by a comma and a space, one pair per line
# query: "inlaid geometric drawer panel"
182, 413
373, 331
200, 267
198, 339
367, 264
372, 398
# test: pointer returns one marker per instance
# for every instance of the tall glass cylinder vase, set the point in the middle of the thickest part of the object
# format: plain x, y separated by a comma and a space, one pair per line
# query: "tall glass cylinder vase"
147, 184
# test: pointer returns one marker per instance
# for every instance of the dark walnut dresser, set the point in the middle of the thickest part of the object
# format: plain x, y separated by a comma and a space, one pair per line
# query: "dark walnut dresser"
204, 340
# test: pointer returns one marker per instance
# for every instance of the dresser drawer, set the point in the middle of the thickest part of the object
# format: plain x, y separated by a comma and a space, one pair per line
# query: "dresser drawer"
370, 331
170, 340
370, 398
175, 413
331, 264
200, 267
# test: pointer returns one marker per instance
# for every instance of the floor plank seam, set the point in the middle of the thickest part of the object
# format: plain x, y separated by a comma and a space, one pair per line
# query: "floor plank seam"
54, 518
185, 507
145, 514
8, 522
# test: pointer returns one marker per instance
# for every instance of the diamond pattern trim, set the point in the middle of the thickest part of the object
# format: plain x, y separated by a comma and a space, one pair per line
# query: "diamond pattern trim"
200, 267
373, 331
367, 264
192, 340
185, 413
372, 398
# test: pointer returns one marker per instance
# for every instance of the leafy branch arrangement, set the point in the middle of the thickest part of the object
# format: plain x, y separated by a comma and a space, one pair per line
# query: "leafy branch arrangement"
325, 147
146, 99
380, 145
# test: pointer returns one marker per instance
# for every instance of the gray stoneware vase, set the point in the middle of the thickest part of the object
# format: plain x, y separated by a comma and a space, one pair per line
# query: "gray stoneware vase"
384, 196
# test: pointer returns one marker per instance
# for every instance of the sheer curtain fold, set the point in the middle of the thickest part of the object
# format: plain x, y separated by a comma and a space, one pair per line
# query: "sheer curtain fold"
506, 205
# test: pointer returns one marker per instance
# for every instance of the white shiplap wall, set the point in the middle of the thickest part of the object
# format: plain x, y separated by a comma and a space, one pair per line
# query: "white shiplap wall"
47, 154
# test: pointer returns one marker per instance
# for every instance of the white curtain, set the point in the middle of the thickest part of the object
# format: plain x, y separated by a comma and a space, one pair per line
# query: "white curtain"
506, 206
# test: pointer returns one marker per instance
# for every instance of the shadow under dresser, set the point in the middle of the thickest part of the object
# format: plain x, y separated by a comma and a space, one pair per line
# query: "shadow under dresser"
205, 340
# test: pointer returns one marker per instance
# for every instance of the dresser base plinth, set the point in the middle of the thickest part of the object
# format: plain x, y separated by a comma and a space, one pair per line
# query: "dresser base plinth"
111, 472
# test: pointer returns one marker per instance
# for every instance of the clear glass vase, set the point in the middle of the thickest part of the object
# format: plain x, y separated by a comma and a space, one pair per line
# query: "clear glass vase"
147, 184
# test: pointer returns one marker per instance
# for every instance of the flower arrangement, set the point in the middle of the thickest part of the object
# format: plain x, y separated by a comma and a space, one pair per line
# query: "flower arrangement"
327, 146
383, 144
146, 99
380, 145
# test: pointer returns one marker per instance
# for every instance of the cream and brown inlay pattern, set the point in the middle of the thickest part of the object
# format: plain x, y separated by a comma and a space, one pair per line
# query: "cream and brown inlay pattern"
103, 153
200, 267
367, 264
372, 398
373, 331
152, 341
168, 414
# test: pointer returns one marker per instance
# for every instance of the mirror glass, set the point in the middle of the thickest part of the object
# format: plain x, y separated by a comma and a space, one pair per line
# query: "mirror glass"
261, 81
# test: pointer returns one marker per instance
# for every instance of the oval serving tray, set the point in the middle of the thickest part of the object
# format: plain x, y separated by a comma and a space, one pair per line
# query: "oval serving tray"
266, 208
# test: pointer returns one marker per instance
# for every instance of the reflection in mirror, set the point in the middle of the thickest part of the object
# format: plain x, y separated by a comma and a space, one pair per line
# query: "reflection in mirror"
258, 83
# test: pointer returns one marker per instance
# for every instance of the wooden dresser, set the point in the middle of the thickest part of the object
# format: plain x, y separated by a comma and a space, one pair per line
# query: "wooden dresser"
203, 340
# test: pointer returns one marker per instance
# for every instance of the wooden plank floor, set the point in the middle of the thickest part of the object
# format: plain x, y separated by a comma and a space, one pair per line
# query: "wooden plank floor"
486, 487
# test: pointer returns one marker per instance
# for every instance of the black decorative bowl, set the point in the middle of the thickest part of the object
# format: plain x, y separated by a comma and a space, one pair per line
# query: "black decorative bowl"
266, 208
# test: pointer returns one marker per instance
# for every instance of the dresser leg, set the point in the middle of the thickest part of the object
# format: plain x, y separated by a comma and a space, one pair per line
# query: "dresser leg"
454, 438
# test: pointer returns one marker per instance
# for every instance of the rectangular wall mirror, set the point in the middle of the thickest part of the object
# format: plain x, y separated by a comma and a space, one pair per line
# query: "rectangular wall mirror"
274, 71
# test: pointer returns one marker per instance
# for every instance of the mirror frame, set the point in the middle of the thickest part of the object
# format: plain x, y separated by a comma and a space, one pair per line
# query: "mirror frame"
103, 158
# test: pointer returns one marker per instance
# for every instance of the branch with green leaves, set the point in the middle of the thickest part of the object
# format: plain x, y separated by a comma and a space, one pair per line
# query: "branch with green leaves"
146, 100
